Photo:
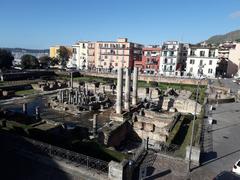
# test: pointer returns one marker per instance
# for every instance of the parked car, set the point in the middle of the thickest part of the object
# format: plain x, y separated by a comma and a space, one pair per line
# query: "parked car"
236, 167
227, 175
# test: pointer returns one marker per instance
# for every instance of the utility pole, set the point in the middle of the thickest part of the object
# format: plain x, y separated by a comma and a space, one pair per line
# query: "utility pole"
194, 119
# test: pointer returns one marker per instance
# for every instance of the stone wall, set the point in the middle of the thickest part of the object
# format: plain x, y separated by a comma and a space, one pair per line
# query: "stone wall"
170, 80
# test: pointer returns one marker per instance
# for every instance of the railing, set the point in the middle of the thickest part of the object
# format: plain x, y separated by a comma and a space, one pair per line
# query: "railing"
74, 158
168, 149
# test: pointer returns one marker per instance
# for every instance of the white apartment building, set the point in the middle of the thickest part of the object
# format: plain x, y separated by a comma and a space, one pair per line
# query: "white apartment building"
173, 58
229, 56
202, 60
79, 58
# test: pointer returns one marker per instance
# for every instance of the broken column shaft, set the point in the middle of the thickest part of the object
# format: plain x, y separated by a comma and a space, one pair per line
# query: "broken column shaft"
127, 89
37, 113
135, 81
94, 124
71, 80
25, 108
119, 91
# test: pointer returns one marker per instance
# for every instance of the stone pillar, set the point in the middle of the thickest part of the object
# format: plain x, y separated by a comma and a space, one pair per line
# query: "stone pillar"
101, 107
127, 89
103, 87
71, 80
90, 108
62, 96
135, 81
25, 108
119, 91
150, 94
37, 112
95, 124
95, 89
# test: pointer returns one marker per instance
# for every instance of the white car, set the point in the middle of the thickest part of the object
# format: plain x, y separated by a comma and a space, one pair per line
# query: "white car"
236, 167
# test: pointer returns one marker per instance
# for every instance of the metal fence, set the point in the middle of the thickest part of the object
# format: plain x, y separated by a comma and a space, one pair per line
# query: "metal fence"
168, 149
76, 159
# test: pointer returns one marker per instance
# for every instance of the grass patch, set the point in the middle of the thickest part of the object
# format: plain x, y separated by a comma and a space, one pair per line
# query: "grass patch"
94, 149
175, 131
25, 92
183, 138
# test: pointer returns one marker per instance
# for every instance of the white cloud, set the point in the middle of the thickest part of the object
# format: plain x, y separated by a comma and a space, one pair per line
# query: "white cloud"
235, 15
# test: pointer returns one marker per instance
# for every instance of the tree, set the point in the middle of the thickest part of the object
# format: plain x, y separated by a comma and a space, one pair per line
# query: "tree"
44, 61
54, 61
6, 59
63, 55
29, 62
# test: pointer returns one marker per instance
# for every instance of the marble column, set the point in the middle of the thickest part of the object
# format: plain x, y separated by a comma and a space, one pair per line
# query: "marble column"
135, 82
127, 89
119, 91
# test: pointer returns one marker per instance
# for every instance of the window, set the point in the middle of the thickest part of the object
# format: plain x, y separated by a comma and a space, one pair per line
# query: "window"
192, 61
192, 53
74, 51
170, 68
201, 62
83, 46
210, 71
165, 67
123, 46
116, 64
106, 57
171, 53
202, 53
165, 60
210, 62
191, 69
165, 53
105, 63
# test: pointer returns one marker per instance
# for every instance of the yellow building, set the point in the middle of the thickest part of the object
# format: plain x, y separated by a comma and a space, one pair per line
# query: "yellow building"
54, 50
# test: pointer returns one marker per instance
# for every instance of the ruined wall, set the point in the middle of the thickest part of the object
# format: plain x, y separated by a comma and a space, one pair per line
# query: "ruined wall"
182, 105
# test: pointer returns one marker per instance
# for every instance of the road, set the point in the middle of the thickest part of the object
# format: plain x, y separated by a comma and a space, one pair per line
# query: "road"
221, 142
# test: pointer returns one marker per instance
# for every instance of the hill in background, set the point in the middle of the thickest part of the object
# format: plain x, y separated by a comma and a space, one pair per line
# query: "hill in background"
218, 39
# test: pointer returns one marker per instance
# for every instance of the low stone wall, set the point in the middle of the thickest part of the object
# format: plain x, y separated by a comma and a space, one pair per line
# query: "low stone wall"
170, 80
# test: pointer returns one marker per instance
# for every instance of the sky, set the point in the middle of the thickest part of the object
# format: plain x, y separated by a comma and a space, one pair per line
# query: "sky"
39, 24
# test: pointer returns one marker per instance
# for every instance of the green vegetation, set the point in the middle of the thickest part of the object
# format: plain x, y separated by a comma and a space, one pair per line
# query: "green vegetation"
6, 59
29, 62
175, 130
74, 143
25, 92
94, 149
181, 134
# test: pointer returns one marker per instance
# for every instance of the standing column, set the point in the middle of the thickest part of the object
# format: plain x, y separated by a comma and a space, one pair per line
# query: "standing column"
37, 112
135, 81
25, 108
119, 91
71, 79
127, 89
94, 125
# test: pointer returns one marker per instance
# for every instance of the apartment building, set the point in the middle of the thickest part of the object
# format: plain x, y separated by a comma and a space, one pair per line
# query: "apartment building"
202, 60
150, 59
229, 59
173, 58
79, 58
108, 55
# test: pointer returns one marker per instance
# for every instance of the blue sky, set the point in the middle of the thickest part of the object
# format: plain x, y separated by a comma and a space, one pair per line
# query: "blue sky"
41, 23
